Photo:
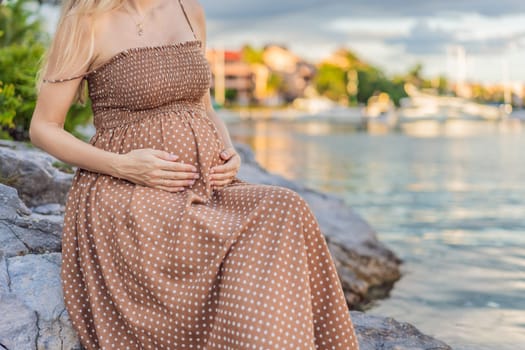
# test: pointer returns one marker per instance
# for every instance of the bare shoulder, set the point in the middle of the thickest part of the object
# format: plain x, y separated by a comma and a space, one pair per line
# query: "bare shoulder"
196, 13
90, 31
105, 37
103, 26
102, 21
195, 8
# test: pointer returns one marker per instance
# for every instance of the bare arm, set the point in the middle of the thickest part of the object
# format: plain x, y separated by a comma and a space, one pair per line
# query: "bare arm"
150, 167
53, 101
47, 131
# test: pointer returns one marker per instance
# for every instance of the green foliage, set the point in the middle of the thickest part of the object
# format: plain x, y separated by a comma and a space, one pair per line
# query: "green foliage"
22, 45
415, 76
18, 24
332, 80
64, 167
9, 103
275, 81
230, 95
76, 116
10, 180
372, 81
18, 67
252, 55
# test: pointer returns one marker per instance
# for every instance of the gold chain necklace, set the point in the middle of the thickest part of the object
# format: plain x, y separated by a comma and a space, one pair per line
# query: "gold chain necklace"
140, 24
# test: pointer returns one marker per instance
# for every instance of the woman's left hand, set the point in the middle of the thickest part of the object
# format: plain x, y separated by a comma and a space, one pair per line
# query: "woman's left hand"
222, 175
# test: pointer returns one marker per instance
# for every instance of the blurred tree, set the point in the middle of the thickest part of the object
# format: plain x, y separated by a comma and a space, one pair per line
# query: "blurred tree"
372, 81
9, 104
18, 67
252, 55
345, 77
18, 25
275, 81
231, 96
22, 45
415, 76
331, 81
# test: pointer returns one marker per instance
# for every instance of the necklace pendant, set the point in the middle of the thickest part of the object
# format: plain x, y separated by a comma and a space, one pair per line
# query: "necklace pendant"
140, 30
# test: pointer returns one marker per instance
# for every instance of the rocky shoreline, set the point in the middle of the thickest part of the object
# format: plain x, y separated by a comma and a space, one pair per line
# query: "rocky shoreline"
33, 188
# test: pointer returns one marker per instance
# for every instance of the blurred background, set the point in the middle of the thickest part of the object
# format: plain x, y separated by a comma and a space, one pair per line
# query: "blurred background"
409, 110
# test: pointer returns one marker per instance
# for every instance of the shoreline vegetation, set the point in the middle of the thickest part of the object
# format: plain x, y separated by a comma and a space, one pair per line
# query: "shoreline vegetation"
31, 216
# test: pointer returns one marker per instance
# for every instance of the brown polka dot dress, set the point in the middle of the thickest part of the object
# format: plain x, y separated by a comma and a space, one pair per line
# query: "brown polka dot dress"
243, 267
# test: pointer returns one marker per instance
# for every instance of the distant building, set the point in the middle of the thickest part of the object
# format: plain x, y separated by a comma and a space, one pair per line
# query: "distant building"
281, 76
338, 58
238, 76
296, 73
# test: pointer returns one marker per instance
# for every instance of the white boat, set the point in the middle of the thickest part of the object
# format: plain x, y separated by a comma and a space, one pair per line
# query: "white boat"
425, 106
324, 109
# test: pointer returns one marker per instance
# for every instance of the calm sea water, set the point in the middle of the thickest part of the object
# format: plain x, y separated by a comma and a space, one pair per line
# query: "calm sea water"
448, 199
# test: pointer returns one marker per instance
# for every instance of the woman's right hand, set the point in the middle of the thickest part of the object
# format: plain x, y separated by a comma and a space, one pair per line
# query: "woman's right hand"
156, 168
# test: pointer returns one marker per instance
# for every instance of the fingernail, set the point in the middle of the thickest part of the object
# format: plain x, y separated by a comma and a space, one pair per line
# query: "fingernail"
196, 176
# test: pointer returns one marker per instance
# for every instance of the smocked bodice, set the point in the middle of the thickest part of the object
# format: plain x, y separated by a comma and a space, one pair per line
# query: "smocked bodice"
142, 81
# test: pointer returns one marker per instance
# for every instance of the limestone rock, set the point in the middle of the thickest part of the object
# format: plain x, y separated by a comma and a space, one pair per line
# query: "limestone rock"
22, 232
32, 173
4, 276
10, 204
376, 332
35, 284
18, 324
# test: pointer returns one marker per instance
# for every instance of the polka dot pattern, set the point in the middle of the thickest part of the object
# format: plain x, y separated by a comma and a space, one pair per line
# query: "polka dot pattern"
243, 267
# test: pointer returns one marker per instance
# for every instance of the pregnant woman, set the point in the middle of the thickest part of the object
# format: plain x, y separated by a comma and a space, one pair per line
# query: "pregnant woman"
163, 246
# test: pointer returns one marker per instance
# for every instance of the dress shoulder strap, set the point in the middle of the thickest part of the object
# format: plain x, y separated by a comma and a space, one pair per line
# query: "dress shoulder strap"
187, 19
83, 76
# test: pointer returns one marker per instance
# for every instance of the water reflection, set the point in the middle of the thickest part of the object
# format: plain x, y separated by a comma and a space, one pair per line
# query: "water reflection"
449, 199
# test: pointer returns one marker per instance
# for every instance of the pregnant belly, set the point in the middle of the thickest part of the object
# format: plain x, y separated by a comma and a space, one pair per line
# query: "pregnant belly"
194, 139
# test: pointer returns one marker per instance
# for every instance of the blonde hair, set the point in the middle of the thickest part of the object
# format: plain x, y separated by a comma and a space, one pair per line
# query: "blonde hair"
69, 53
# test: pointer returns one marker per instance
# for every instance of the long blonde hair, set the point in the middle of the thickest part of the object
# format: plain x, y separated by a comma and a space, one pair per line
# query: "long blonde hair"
69, 45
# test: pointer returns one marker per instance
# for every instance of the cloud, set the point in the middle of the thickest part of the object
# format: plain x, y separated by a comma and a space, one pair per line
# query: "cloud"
496, 45
240, 9
425, 39
391, 34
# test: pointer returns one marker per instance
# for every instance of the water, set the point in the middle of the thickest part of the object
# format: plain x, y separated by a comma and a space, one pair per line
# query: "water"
449, 200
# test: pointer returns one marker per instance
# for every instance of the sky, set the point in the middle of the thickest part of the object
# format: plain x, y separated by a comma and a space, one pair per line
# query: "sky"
394, 35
